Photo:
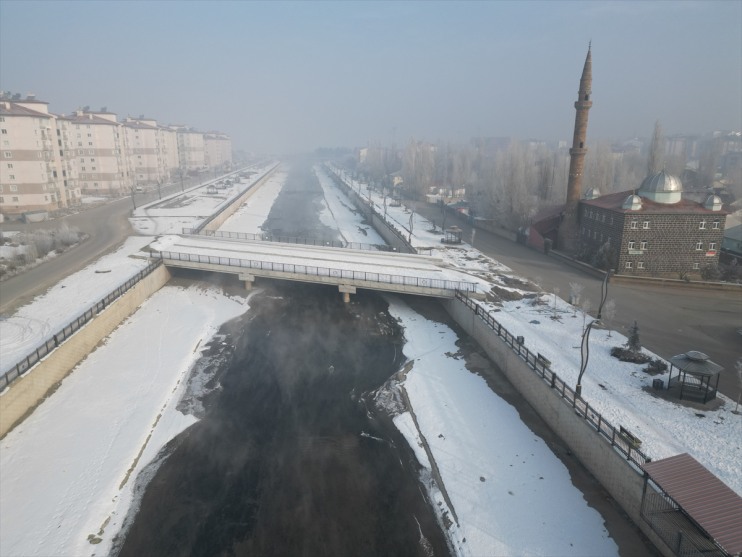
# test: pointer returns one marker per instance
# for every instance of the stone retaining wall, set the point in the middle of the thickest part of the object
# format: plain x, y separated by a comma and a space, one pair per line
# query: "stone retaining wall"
28, 391
613, 471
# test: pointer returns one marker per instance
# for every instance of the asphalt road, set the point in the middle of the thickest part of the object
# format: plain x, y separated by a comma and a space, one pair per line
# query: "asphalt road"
671, 320
107, 226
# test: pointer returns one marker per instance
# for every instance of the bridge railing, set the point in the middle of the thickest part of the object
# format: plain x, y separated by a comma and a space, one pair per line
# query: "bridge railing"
247, 236
310, 270
35, 355
541, 367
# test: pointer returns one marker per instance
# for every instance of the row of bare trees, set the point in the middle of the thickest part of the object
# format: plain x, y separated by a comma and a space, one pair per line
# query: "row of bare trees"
512, 181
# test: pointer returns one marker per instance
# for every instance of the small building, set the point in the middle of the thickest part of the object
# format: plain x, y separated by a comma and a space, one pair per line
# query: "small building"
211, 190
690, 509
696, 373
653, 231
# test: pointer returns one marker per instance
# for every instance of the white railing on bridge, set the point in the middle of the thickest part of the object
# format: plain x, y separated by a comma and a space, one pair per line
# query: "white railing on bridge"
338, 274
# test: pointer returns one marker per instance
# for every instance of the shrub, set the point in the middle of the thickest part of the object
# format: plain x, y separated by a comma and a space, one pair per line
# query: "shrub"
655, 366
710, 272
626, 355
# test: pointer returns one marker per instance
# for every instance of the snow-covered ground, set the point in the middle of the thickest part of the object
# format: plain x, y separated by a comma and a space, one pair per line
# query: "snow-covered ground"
65, 478
188, 209
617, 390
34, 323
252, 214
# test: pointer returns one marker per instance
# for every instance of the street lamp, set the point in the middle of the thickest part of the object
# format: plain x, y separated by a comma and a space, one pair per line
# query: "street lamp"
585, 346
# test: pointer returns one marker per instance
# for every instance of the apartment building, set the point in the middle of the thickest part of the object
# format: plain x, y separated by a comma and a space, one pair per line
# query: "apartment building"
35, 173
47, 161
147, 151
98, 147
191, 149
217, 150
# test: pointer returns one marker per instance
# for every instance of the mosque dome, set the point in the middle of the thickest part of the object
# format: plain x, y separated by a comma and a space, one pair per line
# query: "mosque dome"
662, 188
632, 203
592, 193
713, 203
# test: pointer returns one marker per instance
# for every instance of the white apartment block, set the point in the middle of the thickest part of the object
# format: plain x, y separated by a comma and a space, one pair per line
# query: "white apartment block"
148, 151
217, 150
34, 172
191, 149
98, 147
47, 161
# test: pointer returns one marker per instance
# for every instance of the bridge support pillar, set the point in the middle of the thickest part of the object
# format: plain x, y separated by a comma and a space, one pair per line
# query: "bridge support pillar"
248, 280
346, 291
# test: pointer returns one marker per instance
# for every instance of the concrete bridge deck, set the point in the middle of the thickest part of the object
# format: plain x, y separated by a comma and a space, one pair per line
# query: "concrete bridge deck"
349, 269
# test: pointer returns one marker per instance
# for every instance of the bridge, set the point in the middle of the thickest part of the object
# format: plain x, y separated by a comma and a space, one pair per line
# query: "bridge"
348, 269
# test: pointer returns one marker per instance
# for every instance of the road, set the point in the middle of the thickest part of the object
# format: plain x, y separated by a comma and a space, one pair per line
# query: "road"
671, 320
107, 226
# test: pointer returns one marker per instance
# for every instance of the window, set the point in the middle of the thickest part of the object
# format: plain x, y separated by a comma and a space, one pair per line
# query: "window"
632, 244
602, 217
644, 245
696, 266
8, 154
15, 198
645, 225
92, 160
90, 142
702, 225
699, 246
634, 225
12, 176
13, 188
712, 246
10, 165
2, 200
4, 131
715, 225
629, 265
640, 264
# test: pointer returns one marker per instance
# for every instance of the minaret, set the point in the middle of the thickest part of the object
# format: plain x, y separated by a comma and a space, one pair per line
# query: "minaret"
569, 228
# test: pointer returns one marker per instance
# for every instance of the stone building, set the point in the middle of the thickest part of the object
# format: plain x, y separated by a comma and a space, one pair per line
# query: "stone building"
653, 231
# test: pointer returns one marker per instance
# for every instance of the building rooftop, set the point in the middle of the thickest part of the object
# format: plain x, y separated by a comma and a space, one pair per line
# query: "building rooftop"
615, 201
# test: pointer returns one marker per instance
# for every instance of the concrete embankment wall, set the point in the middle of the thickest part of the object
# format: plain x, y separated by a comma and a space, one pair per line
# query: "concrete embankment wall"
26, 392
611, 469
220, 219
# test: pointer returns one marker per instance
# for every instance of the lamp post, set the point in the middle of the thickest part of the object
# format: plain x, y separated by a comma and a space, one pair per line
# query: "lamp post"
585, 346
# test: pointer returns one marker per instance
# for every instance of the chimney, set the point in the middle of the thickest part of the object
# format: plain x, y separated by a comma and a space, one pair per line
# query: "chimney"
31, 97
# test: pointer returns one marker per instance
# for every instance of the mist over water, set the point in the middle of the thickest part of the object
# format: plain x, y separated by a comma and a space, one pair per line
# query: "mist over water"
290, 458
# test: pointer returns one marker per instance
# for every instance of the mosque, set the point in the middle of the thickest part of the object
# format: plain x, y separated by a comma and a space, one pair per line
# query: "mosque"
650, 231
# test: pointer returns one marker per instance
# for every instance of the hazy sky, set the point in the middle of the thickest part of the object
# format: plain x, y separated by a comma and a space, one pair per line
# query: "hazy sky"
293, 76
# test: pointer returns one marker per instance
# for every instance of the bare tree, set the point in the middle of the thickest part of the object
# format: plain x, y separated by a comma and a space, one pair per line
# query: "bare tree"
609, 313
575, 291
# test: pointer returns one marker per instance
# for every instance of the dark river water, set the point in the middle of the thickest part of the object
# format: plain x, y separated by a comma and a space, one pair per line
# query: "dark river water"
289, 458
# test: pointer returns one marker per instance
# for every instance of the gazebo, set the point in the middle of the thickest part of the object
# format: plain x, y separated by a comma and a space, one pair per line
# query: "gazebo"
452, 235
695, 375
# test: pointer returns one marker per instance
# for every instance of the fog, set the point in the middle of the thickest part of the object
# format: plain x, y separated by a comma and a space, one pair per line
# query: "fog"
286, 77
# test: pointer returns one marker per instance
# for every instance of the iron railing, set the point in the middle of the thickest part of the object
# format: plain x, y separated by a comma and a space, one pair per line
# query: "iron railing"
71, 328
262, 237
370, 206
582, 408
309, 270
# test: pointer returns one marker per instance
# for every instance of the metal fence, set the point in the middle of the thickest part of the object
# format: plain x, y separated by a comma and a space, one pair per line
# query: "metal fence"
247, 236
367, 203
229, 202
309, 270
71, 328
540, 366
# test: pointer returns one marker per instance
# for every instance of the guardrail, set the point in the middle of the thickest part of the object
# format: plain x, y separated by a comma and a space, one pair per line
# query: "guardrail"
354, 194
229, 203
309, 270
541, 367
71, 328
248, 236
